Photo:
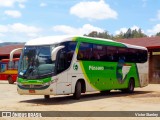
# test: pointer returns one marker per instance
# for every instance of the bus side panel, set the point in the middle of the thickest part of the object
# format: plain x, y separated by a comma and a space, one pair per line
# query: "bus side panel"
14, 77
110, 75
3, 76
63, 87
7, 73
101, 75
143, 74
77, 72
133, 74
89, 88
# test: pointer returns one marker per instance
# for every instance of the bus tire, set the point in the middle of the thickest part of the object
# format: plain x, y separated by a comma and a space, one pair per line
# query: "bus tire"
46, 97
77, 93
10, 80
131, 86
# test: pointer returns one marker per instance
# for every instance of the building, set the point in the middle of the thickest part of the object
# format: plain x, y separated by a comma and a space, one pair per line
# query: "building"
153, 46
5, 51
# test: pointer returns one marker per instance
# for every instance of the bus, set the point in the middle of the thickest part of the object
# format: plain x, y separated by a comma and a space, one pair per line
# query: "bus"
58, 65
8, 70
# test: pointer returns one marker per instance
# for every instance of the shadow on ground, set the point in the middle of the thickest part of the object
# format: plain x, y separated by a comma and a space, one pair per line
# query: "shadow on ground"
57, 100
6, 82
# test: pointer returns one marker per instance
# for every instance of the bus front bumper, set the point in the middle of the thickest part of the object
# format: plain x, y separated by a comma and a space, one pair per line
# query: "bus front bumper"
46, 90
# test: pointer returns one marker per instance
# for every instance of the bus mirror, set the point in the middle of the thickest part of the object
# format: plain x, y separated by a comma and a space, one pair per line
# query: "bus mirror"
12, 53
55, 51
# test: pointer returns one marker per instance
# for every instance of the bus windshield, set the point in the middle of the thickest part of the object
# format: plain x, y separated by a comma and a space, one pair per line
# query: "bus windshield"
35, 62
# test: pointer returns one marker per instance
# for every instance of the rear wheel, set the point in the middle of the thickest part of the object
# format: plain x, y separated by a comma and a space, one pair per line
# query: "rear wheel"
131, 86
77, 93
10, 80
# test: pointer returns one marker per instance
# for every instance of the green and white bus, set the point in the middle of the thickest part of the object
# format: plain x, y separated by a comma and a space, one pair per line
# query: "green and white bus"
57, 65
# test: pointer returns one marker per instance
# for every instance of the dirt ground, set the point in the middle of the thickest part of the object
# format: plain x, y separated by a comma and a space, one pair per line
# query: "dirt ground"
143, 99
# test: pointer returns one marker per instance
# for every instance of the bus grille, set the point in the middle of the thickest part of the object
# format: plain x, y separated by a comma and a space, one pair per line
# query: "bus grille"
32, 86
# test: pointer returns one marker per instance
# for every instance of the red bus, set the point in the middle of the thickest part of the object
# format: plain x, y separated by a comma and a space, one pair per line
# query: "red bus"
9, 70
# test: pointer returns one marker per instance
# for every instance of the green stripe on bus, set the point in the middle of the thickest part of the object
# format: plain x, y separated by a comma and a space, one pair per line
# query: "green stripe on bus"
35, 82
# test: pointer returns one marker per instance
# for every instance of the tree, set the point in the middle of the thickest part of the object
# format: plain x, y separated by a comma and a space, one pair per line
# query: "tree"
93, 34
134, 34
119, 36
104, 34
158, 34
129, 34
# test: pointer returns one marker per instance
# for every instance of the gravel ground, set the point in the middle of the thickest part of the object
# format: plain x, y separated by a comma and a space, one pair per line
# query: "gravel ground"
143, 99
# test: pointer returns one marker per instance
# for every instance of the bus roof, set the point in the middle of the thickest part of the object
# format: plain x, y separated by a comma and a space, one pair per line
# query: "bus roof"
62, 38
57, 39
49, 40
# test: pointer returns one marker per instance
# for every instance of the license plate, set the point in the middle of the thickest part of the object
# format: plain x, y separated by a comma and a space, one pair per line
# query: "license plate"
31, 91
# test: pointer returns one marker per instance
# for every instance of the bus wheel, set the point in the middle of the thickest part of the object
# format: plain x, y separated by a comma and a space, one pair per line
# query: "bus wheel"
10, 80
77, 93
131, 86
46, 97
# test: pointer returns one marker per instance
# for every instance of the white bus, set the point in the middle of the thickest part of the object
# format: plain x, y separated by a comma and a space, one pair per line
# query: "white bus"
58, 65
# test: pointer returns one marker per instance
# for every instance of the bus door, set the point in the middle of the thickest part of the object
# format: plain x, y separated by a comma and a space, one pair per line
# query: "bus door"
64, 59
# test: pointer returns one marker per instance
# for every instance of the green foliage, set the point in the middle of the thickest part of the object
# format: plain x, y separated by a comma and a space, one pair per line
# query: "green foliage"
134, 34
96, 34
158, 34
129, 34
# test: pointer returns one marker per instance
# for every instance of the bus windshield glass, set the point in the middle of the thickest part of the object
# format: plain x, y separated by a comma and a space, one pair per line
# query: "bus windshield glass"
35, 62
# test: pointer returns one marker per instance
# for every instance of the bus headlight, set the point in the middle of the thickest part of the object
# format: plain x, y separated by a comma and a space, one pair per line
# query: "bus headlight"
18, 83
46, 84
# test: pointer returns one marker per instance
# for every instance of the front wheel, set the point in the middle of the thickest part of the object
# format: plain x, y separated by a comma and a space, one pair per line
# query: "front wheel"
77, 93
10, 80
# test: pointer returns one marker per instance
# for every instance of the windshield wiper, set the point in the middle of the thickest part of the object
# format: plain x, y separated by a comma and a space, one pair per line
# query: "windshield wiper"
28, 71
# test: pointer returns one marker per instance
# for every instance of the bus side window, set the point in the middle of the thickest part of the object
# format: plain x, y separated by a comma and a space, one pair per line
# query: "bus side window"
70, 52
142, 56
61, 61
112, 53
65, 56
11, 65
3, 67
122, 53
85, 51
132, 57
135, 56
16, 65
99, 52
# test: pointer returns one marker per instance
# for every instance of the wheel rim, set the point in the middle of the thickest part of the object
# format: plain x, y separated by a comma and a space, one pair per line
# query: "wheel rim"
10, 79
131, 86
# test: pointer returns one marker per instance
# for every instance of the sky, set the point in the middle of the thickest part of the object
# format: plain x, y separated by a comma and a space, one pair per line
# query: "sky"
22, 20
